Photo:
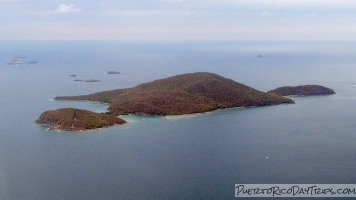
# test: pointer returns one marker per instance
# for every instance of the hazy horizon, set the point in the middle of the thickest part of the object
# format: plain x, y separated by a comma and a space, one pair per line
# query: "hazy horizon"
270, 20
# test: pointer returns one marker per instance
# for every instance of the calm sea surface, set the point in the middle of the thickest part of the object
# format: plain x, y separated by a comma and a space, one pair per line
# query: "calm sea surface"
191, 157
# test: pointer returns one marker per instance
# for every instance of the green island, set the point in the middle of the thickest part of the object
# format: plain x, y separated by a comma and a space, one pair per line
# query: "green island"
302, 90
182, 94
70, 119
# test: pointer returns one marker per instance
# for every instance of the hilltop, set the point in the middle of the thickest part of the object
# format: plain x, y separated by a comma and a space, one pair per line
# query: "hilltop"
182, 94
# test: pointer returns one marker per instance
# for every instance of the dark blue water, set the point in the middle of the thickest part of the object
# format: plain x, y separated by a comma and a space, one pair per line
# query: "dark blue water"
191, 157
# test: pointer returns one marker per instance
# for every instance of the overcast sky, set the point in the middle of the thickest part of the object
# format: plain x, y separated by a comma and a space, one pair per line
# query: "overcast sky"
178, 19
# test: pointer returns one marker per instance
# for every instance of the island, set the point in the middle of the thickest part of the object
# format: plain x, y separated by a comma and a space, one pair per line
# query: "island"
21, 61
302, 90
182, 94
113, 72
91, 81
70, 119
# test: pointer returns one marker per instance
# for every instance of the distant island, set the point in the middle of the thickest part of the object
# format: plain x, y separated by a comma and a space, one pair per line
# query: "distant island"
113, 72
87, 81
70, 119
21, 61
302, 90
92, 81
182, 94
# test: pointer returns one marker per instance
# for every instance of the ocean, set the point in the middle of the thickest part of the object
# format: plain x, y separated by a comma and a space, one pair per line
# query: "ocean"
181, 157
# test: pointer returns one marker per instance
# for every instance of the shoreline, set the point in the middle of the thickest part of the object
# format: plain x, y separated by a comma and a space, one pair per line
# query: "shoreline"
169, 116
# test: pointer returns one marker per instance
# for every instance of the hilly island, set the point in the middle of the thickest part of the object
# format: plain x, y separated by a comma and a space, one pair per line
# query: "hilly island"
177, 95
70, 119
302, 90
182, 94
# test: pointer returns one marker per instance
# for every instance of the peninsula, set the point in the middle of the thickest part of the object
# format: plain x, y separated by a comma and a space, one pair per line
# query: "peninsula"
70, 119
302, 90
182, 94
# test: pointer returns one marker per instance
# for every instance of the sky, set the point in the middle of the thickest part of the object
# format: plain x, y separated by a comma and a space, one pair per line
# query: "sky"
178, 20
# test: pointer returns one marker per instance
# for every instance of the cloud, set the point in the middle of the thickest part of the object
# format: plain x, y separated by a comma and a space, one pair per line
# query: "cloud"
265, 13
152, 13
298, 2
62, 8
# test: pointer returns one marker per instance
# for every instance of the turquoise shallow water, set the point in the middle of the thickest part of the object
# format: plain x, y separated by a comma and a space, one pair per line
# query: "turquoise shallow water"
186, 157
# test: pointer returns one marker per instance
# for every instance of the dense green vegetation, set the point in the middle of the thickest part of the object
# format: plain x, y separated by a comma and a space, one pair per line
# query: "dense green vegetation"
71, 119
182, 94
302, 90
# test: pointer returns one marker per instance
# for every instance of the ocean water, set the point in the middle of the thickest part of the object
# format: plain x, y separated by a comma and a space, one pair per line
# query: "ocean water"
187, 157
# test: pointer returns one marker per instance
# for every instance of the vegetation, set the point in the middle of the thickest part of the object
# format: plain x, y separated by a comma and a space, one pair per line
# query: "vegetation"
182, 94
71, 119
302, 90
